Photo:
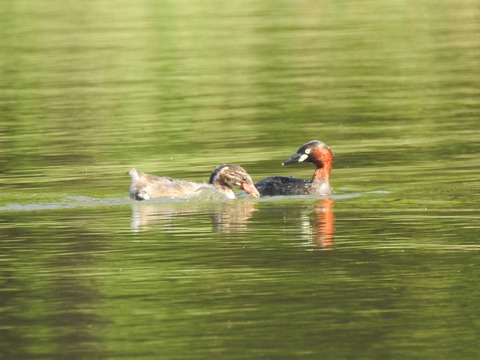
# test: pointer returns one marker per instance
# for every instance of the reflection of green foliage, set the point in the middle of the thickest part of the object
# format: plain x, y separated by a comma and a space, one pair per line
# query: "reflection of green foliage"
180, 88
80, 279
91, 88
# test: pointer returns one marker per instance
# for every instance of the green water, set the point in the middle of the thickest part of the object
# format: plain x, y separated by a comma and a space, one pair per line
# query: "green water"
387, 268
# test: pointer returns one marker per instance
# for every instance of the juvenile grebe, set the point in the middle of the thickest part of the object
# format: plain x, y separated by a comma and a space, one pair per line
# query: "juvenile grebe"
222, 180
315, 152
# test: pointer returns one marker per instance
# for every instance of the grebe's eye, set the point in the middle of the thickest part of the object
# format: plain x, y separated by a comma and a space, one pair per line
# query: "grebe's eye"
307, 151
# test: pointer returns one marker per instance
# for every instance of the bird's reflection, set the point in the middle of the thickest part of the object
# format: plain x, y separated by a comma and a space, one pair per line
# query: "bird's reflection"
231, 216
315, 221
324, 223
317, 224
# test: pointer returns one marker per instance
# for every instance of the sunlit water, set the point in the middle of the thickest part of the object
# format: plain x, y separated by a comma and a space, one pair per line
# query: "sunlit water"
386, 268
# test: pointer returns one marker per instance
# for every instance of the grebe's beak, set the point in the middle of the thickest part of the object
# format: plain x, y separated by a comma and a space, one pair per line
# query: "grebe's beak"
250, 189
296, 158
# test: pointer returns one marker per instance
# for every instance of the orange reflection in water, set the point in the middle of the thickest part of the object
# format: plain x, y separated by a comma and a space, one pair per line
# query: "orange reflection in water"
324, 224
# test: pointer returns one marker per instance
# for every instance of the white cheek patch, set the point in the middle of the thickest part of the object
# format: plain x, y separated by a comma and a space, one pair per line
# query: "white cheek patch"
303, 158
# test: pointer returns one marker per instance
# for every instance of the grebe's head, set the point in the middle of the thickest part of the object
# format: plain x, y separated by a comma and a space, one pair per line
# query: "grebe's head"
233, 176
315, 151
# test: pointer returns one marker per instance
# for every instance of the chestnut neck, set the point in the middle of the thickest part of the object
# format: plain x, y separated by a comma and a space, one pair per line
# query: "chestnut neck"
323, 159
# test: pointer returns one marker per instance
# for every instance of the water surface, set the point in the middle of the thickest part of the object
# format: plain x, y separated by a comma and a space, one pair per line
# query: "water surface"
388, 267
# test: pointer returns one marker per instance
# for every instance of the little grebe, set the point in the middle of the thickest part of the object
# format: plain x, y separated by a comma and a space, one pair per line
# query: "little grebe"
315, 152
222, 180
